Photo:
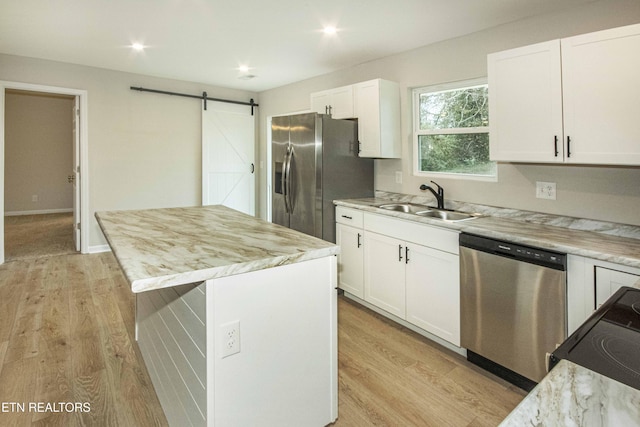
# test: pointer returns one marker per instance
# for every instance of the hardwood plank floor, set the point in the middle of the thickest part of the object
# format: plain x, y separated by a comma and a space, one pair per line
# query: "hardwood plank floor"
391, 376
67, 335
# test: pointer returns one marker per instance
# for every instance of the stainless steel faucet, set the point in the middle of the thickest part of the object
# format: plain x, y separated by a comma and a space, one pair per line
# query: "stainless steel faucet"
439, 195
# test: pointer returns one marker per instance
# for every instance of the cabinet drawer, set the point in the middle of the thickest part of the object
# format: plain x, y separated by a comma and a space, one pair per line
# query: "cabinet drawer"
421, 234
352, 217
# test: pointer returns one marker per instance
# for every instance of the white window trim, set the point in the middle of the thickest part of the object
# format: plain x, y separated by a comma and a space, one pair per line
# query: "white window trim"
417, 132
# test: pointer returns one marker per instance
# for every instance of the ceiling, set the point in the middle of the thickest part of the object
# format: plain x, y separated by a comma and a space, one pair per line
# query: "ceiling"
281, 41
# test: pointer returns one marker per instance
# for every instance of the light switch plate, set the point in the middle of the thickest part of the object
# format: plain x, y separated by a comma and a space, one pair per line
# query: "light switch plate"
546, 190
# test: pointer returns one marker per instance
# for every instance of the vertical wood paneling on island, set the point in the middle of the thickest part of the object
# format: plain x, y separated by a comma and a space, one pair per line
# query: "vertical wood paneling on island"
171, 336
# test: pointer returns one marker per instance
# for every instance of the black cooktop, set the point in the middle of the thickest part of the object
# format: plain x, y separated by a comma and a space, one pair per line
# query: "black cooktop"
609, 341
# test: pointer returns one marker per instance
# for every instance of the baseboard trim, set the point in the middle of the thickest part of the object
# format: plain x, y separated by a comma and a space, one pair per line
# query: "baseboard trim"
38, 212
99, 249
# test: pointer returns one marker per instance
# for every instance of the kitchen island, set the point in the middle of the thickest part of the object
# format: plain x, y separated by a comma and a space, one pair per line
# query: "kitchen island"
236, 318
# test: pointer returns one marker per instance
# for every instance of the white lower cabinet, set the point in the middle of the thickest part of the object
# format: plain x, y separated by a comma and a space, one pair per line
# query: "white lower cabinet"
609, 280
350, 260
350, 236
411, 270
384, 273
433, 292
590, 282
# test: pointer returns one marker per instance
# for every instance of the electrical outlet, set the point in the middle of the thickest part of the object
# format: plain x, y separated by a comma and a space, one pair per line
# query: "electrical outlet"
229, 338
398, 177
546, 190
34, 198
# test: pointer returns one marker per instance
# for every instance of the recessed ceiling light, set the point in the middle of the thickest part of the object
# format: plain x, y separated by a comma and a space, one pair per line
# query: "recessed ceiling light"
137, 46
330, 30
243, 68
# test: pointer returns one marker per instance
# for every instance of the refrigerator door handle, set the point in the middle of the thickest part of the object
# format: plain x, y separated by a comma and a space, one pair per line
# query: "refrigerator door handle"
287, 196
283, 182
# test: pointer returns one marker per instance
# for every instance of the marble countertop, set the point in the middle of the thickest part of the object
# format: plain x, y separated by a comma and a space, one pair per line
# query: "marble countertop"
158, 248
557, 234
571, 395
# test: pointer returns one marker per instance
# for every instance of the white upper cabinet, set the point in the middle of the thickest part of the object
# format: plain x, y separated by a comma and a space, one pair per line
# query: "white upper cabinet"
573, 100
525, 104
336, 102
601, 92
376, 105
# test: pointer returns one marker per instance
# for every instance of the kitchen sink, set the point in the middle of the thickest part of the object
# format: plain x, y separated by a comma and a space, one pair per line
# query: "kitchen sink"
404, 207
428, 212
447, 215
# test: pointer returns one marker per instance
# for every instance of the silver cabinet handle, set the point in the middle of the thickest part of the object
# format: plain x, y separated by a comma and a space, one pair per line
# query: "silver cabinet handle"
399, 253
406, 254
359, 237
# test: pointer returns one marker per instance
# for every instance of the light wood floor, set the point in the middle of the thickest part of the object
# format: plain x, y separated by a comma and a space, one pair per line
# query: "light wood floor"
66, 335
391, 376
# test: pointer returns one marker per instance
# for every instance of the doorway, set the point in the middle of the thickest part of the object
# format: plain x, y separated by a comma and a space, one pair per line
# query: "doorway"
76, 174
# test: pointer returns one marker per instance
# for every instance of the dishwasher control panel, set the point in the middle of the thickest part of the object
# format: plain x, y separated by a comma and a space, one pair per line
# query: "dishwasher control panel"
524, 253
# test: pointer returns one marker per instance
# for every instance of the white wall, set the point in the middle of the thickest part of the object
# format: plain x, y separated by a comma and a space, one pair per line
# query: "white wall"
144, 148
38, 152
606, 193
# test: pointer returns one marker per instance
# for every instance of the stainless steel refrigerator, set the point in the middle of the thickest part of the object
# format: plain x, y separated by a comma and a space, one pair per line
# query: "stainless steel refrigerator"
315, 161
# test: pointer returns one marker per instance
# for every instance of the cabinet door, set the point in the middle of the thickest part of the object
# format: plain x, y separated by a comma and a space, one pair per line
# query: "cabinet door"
342, 103
350, 260
433, 292
525, 104
609, 281
338, 102
377, 107
601, 96
384, 266
320, 102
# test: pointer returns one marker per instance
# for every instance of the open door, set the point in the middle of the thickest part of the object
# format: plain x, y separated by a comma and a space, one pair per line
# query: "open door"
75, 174
228, 165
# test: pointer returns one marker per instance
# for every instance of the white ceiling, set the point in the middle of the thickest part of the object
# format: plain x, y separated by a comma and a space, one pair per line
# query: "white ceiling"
281, 40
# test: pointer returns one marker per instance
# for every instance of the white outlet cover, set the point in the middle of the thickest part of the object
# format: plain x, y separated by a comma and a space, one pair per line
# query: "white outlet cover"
229, 339
546, 190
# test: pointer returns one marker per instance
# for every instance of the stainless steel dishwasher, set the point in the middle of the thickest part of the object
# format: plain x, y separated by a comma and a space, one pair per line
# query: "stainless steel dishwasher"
513, 307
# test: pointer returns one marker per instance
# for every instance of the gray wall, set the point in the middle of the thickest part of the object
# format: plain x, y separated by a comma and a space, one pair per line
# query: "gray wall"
38, 153
605, 193
144, 148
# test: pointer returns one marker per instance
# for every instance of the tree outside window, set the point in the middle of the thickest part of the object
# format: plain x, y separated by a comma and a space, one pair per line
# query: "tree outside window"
452, 130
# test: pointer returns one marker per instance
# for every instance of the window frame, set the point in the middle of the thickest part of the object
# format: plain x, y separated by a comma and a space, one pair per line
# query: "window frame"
417, 132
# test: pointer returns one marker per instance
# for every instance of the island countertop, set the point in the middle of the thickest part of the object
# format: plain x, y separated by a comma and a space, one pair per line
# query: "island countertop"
571, 395
158, 248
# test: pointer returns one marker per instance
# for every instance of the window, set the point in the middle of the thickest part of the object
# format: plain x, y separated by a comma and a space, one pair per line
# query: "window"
451, 130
